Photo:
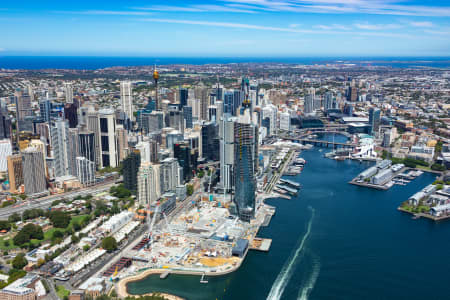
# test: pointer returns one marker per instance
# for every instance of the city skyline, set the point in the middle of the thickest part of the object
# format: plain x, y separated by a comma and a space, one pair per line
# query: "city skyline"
245, 28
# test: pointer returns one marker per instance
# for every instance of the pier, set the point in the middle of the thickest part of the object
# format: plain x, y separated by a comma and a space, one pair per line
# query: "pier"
261, 244
286, 188
290, 182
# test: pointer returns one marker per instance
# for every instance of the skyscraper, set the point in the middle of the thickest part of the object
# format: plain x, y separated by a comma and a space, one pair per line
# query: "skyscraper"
130, 168
309, 102
122, 142
15, 172
126, 98
374, 120
87, 145
182, 153
68, 89
60, 145
187, 115
226, 133
5, 123
148, 184
245, 166
85, 171
210, 141
201, 93
5, 152
184, 95
23, 107
108, 140
34, 172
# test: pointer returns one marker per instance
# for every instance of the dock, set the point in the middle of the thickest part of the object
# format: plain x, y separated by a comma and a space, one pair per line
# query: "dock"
288, 189
290, 182
164, 275
261, 244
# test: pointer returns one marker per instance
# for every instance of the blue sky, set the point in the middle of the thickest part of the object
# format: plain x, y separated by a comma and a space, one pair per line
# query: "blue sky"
267, 28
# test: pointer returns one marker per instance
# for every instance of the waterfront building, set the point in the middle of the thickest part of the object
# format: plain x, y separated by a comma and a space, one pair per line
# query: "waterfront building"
285, 121
245, 166
34, 176
148, 183
226, 134
374, 120
126, 98
15, 172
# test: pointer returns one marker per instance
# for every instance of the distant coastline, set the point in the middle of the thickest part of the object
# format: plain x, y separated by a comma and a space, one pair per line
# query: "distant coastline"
100, 62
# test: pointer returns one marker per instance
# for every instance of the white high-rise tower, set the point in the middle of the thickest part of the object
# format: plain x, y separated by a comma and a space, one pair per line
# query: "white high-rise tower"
126, 98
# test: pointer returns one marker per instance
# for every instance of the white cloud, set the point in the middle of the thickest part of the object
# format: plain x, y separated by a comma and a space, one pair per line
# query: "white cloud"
107, 12
389, 7
421, 24
367, 26
197, 8
332, 27
294, 25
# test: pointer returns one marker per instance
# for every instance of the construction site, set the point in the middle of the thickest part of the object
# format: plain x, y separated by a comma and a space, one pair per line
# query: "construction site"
204, 239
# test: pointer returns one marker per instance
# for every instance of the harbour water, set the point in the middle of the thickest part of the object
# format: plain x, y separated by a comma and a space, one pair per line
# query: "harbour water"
333, 241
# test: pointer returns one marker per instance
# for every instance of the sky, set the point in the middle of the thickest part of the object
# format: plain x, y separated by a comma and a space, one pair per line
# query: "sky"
226, 28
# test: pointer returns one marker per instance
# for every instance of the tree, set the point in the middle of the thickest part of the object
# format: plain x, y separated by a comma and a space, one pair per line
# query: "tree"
57, 234
59, 219
28, 232
23, 196
86, 248
5, 225
19, 262
15, 217
109, 243
189, 189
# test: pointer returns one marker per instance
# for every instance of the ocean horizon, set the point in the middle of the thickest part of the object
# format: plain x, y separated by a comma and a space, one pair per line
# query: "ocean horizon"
100, 62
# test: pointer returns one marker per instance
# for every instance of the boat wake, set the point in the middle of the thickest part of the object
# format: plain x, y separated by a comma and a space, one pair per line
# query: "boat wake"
286, 272
307, 289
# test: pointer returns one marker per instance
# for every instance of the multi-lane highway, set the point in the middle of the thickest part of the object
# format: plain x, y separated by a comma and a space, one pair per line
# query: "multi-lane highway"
46, 202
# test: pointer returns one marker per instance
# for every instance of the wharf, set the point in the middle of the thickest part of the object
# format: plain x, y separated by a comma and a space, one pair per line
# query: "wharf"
288, 189
385, 186
290, 182
423, 215
164, 275
260, 244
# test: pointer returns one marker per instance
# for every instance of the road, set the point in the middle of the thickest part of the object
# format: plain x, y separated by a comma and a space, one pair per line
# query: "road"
46, 202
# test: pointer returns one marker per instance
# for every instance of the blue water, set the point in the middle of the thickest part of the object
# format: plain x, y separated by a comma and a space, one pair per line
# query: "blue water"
334, 241
92, 62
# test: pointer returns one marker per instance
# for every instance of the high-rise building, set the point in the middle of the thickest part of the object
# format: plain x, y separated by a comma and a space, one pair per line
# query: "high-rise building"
182, 152
175, 120
71, 114
5, 152
15, 172
228, 103
245, 167
352, 93
60, 145
108, 139
285, 121
5, 123
68, 89
374, 120
148, 184
329, 104
187, 115
184, 95
201, 93
126, 98
122, 142
308, 107
23, 108
130, 168
210, 141
226, 133
86, 145
93, 125
169, 175
34, 172
72, 150
85, 171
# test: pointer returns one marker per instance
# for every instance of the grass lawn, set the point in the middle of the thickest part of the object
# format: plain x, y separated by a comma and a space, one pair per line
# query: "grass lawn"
62, 292
423, 168
3, 246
